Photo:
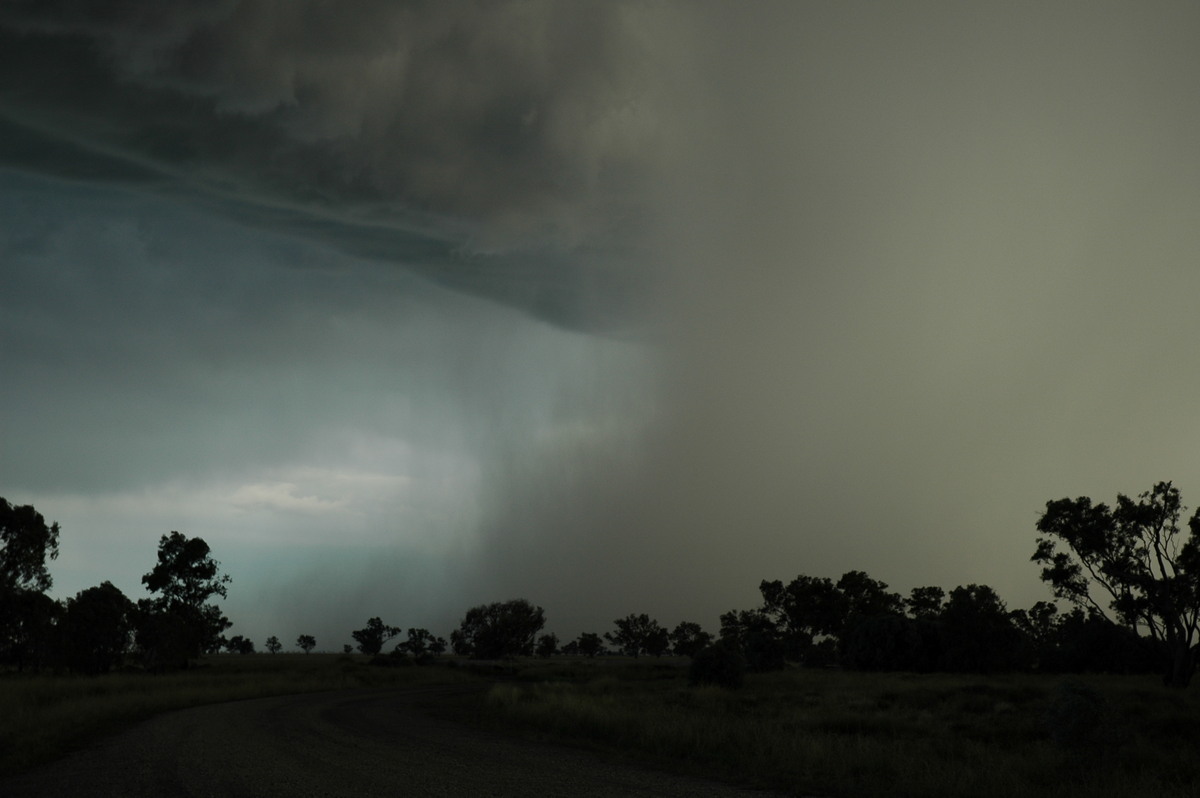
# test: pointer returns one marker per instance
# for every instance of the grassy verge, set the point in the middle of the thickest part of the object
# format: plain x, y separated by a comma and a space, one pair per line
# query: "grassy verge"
42, 717
896, 735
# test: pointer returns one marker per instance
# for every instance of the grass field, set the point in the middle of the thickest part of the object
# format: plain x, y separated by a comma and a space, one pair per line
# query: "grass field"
803, 731
896, 735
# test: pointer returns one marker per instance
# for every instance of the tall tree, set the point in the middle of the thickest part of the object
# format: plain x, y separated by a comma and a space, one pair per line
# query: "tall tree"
27, 615
273, 645
97, 629
179, 623
306, 643
1135, 554
26, 542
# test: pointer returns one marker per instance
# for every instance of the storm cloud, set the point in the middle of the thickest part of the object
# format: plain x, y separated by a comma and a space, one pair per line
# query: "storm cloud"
620, 307
494, 147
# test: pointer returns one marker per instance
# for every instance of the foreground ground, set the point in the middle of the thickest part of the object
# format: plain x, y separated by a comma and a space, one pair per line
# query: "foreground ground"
359, 742
800, 732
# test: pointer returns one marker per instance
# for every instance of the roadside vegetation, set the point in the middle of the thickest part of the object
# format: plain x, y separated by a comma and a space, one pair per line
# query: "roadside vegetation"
845, 733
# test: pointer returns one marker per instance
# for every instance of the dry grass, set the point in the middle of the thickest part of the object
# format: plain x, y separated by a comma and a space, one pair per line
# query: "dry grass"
896, 735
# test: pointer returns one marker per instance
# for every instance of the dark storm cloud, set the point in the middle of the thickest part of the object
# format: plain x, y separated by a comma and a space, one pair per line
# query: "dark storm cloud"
497, 148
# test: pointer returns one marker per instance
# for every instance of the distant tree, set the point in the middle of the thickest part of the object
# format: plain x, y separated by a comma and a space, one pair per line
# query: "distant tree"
809, 610
570, 648
801, 611
978, 633
925, 602
179, 623
347, 649
239, 645
97, 629
657, 642
27, 615
501, 629
864, 597
639, 634
372, 637
688, 638
590, 644
547, 645
273, 645
1038, 624
422, 645
306, 643
757, 636
1135, 553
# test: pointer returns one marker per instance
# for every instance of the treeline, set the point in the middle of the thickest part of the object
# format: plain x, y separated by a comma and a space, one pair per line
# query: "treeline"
1133, 551
100, 628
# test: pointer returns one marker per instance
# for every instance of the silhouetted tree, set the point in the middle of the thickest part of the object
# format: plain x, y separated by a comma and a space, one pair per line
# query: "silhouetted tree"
372, 637
590, 644
422, 645
925, 602
978, 634
1090, 642
306, 643
97, 629
31, 636
570, 648
27, 615
273, 645
688, 638
239, 645
179, 624
547, 645
500, 629
639, 634
757, 636
347, 649
1134, 553
26, 542
801, 611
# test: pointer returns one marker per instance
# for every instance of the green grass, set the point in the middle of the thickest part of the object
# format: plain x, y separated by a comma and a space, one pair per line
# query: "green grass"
44, 716
896, 735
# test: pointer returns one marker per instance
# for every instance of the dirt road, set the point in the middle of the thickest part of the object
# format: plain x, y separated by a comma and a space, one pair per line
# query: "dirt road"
346, 743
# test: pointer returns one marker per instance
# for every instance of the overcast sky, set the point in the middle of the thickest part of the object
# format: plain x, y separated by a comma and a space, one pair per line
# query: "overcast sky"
617, 307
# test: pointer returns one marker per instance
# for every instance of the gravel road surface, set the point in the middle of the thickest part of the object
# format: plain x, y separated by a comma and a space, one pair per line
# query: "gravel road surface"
346, 743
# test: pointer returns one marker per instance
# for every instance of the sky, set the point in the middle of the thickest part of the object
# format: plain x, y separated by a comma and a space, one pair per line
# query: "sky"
618, 307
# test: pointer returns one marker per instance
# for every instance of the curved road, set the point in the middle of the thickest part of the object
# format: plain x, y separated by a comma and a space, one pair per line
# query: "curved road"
345, 743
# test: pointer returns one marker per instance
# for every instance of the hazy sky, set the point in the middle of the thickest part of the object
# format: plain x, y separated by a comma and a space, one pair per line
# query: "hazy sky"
617, 307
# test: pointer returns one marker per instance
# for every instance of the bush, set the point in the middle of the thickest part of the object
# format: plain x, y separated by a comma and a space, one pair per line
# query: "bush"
721, 664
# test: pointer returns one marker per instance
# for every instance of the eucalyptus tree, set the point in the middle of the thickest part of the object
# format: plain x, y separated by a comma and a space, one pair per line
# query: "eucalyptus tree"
1134, 564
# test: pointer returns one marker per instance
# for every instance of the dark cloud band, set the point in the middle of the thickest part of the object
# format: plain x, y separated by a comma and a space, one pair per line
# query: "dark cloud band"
490, 147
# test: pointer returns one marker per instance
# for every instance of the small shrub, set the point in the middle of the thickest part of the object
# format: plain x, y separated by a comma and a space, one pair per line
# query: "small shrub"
721, 664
